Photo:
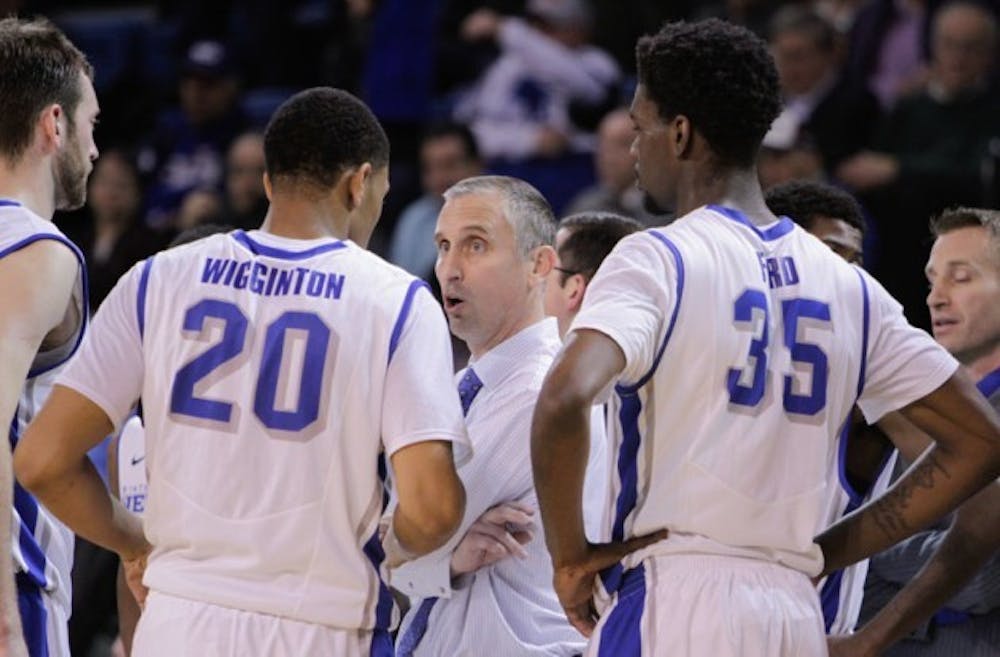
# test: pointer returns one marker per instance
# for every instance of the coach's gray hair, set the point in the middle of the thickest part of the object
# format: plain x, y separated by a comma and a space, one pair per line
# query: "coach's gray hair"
529, 214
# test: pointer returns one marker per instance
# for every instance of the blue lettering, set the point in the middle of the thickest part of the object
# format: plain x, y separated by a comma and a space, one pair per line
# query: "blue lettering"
773, 275
213, 270
284, 283
315, 287
788, 271
257, 278
334, 285
271, 277
242, 275
229, 272
301, 271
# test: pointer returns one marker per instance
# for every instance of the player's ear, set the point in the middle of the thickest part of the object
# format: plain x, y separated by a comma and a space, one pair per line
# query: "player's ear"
267, 186
681, 135
357, 184
50, 126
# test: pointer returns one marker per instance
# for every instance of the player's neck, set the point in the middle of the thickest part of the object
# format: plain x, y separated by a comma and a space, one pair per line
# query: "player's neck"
31, 186
705, 184
304, 219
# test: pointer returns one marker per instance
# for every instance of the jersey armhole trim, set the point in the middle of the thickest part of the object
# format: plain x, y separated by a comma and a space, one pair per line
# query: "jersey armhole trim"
140, 301
630, 389
84, 302
866, 319
404, 312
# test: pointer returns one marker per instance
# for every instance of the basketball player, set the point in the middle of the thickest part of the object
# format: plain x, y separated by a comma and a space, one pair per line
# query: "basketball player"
734, 347
276, 368
47, 115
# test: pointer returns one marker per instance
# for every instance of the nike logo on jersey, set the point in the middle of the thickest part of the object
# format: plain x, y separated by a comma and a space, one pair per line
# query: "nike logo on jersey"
136, 460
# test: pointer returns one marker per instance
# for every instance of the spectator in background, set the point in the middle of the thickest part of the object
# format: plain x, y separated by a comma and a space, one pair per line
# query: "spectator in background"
786, 156
243, 203
837, 114
189, 142
448, 153
887, 48
520, 107
116, 238
616, 191
930, 153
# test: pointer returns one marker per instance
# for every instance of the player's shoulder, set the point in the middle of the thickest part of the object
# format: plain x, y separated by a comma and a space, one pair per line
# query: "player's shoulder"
19, 224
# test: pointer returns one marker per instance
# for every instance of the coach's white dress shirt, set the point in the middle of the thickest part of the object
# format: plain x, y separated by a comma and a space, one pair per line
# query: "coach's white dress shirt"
508, 609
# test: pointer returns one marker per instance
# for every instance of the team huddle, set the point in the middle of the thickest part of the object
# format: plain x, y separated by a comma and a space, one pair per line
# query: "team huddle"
657, 470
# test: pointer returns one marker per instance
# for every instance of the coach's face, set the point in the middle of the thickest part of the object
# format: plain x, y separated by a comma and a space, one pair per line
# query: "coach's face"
655, 168
485, 283
964, 299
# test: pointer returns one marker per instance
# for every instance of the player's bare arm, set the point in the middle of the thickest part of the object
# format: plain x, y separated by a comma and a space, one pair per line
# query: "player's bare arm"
37, 281
431, 501
51, 461
970, 541
560, 435
965, 458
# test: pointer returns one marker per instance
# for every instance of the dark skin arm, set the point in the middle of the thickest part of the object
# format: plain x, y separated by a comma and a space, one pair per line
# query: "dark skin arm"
560, 435
965, 458
970, 541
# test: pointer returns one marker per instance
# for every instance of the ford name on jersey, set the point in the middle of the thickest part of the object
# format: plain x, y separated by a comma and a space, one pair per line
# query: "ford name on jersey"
271, 281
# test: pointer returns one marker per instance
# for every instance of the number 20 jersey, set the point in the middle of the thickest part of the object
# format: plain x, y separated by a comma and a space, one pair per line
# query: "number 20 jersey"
745, 349
273, 373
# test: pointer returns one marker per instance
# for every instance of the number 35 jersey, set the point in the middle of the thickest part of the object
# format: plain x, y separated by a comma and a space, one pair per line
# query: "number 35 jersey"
273, 375
746, 349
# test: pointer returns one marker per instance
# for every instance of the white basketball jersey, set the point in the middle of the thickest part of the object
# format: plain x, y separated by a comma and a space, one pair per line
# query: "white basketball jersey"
746, 349
42, 546
274, 374
842, 592
133, 485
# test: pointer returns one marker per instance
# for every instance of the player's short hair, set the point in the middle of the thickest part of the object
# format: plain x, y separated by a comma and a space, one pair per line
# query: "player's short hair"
524, 207
718, 75
39, 67
961, 217
458, 130
318, 134
591, 237
804, 201
804, 21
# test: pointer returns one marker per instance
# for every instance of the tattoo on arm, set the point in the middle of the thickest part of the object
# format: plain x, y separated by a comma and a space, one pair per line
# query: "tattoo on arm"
890, 510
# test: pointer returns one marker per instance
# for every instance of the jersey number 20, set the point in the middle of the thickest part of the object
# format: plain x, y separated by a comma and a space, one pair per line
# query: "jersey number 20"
754, 302
234, 335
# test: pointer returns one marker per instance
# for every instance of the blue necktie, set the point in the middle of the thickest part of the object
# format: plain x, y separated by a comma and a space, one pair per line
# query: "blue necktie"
468, 388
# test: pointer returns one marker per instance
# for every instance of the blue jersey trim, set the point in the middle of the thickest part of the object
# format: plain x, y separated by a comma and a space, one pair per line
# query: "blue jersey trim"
621, 635
829, 597
373, 550
989, 383
866, 318
34, 617
673, 315
31, 239
782, 228
404, 312
628, 475
26, 508
259, 249
140, 297
7, 203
